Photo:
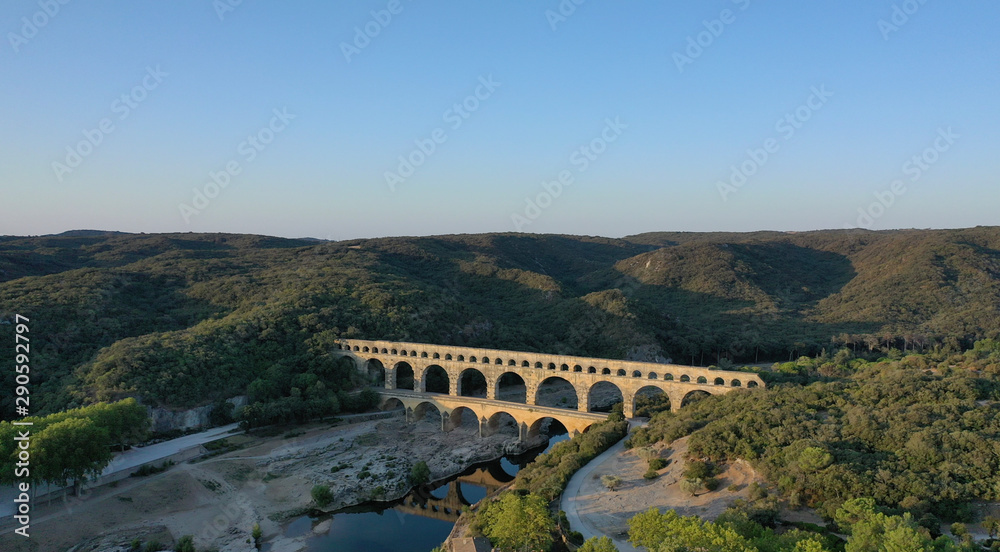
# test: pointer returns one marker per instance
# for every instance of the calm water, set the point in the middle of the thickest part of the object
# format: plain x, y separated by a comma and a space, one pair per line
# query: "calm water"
390, 527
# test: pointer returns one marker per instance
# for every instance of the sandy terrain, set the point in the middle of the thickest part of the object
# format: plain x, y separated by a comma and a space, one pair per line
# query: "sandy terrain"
608, 511
219, 499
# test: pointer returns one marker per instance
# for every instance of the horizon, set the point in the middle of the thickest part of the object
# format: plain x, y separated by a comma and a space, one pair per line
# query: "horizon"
624, 237
391, 118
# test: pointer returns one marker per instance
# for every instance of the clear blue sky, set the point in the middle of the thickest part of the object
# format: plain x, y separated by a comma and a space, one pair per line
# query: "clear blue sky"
199, 85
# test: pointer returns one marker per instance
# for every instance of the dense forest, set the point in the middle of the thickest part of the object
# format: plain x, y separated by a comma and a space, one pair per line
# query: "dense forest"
182, 320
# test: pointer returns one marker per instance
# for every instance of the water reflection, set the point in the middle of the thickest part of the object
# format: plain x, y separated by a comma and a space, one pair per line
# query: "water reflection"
418, 522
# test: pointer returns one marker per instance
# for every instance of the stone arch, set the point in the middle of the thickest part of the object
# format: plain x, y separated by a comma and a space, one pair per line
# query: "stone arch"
557, 392
471, 359
552, 366
427, 411
652, 375
578, 368
702, 379
636, 374
438, 355
461, 358
564, 367
719, 381
621, 372
538, 365
423, 354
404, 375
413, 353
365, 349
668, 377
355, 348
393, 351
499, 362
736, 383
694, 396
486, 360
447, 356
462, 417
510, 386
650, 399
685, 378
472, 383
555, 427
606, 371
501, 422
525, 364
751, 384
591, 370
404, 353
375, 371
435, 380
393, 403
384, 351
603, 395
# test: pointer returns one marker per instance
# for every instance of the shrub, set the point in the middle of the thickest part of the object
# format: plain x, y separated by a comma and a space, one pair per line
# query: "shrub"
420, 473
697, 470
657, 464
650, 474
136, 544
185, 544
711, 483
612, 482
321, 495
256, 533
153, 546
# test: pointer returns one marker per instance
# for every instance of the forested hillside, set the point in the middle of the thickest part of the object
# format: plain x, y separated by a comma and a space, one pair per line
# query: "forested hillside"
186, 319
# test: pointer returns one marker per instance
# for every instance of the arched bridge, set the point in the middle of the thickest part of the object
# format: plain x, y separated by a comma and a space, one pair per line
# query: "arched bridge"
528, 378
422, 502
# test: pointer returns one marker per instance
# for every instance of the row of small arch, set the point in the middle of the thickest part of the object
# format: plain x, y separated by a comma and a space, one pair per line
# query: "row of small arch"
666, 377
551, 366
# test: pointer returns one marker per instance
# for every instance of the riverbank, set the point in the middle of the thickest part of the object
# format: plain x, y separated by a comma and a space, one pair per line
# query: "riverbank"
264, 480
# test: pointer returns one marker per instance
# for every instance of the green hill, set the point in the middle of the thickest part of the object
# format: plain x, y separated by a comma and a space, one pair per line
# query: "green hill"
184, 319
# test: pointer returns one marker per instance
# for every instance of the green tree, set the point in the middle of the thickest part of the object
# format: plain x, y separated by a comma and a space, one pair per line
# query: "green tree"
516, 523
185, 544
321, 495
71, 450
420, 473
256, 533
598, 544
611, 482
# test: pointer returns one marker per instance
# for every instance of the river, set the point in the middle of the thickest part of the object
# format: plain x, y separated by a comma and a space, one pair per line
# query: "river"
405, 525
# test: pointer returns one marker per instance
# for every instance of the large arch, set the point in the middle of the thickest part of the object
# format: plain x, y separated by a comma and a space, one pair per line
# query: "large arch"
393, 404
649, 400
463, 418
603, 395
376, 372
547, 425
510, 386
435, 380
557, 392
404, 376
472, 383
693, 397
427, 411
501, 422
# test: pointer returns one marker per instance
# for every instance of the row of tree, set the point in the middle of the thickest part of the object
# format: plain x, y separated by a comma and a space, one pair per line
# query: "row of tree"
70, 445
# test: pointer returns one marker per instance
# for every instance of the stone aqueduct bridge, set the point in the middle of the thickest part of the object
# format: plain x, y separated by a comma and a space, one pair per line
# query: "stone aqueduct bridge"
422, 503
583, 373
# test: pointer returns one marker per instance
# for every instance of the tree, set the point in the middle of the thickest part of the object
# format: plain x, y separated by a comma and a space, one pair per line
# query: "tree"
321, 495
185, 544
598, 544
692, 486
611, 482
516, 523
420, 473
71, 450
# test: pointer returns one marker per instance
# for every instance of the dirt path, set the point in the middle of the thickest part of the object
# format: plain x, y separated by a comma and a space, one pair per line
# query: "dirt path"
603, 512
